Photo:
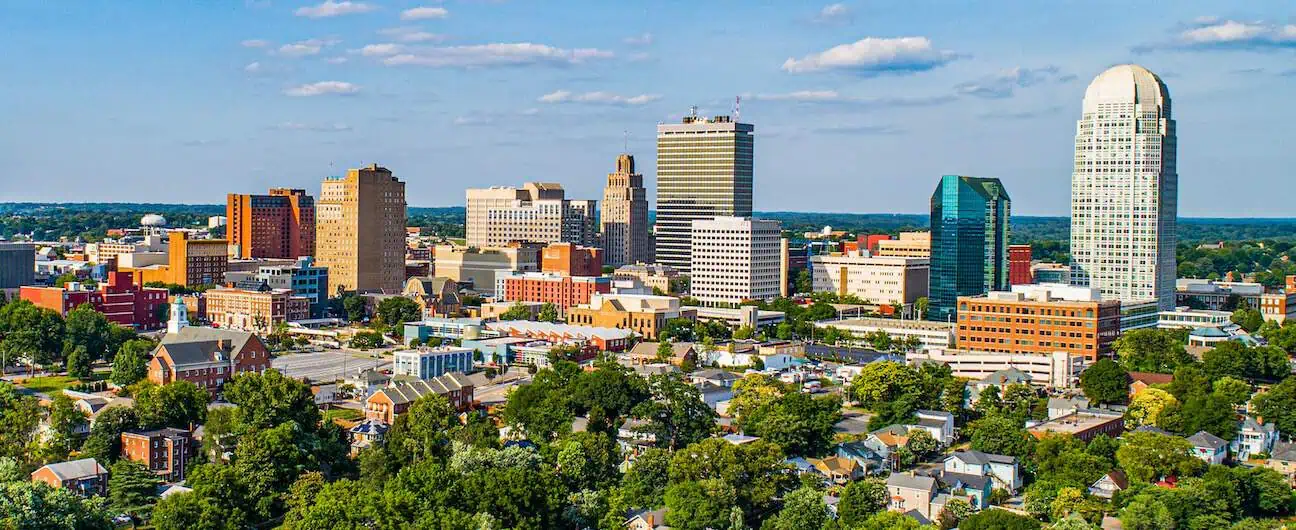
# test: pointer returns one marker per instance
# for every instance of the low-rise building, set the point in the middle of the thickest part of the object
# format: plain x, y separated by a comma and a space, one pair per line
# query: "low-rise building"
1083, 425
1108, 485
1039, 319
605, 339
1003, 470
911, 493
561, 291
84, 477
206, 357
303, 278
1208, 447
426, 363
838, 470
1140, 381
122, 301
876, 279
447, 329
645, 315
931, 335
164, 451
436, 296
651, 275
1055, 370
1283, 460
387, 403
737, 317
255, 310
646, 353
1254, 437
908, 245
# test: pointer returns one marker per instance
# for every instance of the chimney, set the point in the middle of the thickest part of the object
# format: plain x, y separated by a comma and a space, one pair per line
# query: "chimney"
648, 518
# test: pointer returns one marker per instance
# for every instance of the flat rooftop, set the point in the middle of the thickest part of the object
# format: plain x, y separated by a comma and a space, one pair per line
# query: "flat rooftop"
1074, 423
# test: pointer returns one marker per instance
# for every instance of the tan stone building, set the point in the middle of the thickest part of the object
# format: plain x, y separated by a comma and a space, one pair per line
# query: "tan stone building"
259, 311
642, 314
624, 217
651, 275
480, 266
909, 245
538, 212
435, 296
360, 231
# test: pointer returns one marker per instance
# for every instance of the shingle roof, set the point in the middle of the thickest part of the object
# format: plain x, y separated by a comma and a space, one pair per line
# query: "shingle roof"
979, 458
1006, 376
440, 385
1250, 424
974, 481
1284, 451
716, 373
1151, 378
197, 345
76, 469
911, 481
1205, 439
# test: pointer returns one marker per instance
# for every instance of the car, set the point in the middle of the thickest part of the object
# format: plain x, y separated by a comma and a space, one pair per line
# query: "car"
122, 519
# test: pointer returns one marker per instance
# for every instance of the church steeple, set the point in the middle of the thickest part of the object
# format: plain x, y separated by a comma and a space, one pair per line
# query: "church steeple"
179, 315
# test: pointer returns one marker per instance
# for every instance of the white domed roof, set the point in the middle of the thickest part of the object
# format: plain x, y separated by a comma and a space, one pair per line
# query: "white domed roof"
1127, 83
153, 220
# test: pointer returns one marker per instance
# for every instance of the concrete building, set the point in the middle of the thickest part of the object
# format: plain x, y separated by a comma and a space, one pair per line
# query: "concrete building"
435, 296
969, 219
651, 275
556, 289
735, 259
875, 279
538, 212
426, 363
623, 221
360, 231
645, 315
931, 335
17, 265
303, 278
571, 260
1050, 273
1274, 304
1083, 425
1039, 319
1019, 265
278, 225
119, 299
1125, 188
479, 268
704, 170
908, 245
1053, 370
255, 310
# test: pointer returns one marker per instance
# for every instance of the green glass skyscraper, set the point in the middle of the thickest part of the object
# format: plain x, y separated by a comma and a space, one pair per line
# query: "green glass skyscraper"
969, 241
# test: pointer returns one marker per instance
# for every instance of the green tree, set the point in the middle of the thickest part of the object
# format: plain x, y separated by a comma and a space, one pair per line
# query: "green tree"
20, 416
1148, 456
104, 442
366, 340
664, 351
1250, 319
1278, 405
645, 483
1151, 515
861, 499
548, 313
1146, 406
177, 404
89, 329
31, 334
1002, 436
1151, 350
77, 363
676, 414
922, 444
699, 505
133, 489
744, 333
517, 311
1233, 391
1209, 413
998, 520
395, 311
269, 398
756, 470
130, 365
355, 307
883, 382
799, 423
423, 432
1105, 382
27, 505
804, 508
191, 511
541, 409
65, 423
954, 511
892, 521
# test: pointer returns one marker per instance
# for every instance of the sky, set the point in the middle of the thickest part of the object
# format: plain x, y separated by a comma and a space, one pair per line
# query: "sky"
859, 107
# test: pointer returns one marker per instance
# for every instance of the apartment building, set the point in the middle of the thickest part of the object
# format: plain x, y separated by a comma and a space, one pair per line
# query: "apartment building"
538, 212
255, 310
360, 231
278, 225
165, 451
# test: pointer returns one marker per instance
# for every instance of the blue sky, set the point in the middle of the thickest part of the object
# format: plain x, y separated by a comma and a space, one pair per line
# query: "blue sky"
859, 106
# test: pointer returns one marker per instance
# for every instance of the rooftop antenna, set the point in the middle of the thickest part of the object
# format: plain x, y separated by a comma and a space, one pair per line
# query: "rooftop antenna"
625, 141
737, 108
693, 110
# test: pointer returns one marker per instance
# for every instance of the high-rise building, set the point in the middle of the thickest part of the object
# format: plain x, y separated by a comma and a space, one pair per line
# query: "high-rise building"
735, 259
571, 260
1125, 188
278, 225
538, 212
969, 241
196, 261
1019, 265
360, 231
704, 170
17, 265
624, 217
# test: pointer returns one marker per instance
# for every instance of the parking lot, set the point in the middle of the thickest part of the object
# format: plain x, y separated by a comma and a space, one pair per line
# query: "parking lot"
326, 365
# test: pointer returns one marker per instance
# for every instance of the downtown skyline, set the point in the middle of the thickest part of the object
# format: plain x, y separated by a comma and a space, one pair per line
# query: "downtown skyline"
858, 108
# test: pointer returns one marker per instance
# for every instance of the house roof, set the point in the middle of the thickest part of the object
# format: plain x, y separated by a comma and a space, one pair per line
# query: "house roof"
649, 349
76, 469
1151, 378
979, 458
1205, 439
1250, 424
1284, 451
1152, 428
916, 515
1061, 402
717, 374
197, 345
439, 385
967, 479
739, 439
1116, 477
658, 517
370, 427
1006, 376
835, 465
911, 481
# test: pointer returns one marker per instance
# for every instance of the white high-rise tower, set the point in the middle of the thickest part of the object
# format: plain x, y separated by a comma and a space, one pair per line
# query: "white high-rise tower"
1125, 189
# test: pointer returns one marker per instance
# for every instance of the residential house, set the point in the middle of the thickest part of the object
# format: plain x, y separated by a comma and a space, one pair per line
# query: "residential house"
1109, 484
367, 434
325, 394
862, 454
367, 381
166, 452
998, 379
715, 396
715, 376
1142, 380
1283, 460
436, 296
774, 355
385, 404
1253, 437
646, 353
975, 488
910, 492
939, 423
1004, 471
1062, 406
739, 439
838, 470
646, 520
1208, 447
207, 357
885, 441
633, 438
85, 476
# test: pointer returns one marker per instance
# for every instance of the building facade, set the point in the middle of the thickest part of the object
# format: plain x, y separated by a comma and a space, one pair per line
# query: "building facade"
384, 405
193, 262
478, 268
571, 260
207, 357
165, 451
1019, 265
426, 363
561, 291
253, 310
642, 314
651, 275
304, 278
360, 231
120, 300
1125, 188
17, 265
538, 212
969, 241
1038, 321
704, 170
908, 245
278, 225
874, 279
623, 221
735, 259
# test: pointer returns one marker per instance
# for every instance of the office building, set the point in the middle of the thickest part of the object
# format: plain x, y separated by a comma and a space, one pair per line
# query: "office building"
623, 221
478, 268
543, 287
122, 301
642, 314
538, 212
1058, 369
735, 259
969, 241
1050, 273
571, 260
908, 245
704, 170
873, 279
278, 225
189, 262
254, 310
1019, 265
360, 231
17, 265
1039, 319
426, 363
929, 335
303, 278
1125, 188
654, 276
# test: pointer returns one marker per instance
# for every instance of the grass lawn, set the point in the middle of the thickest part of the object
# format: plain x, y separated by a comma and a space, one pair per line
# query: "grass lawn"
345, 414
49, 384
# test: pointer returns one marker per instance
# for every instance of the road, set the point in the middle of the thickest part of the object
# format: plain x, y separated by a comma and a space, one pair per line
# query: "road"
326, 365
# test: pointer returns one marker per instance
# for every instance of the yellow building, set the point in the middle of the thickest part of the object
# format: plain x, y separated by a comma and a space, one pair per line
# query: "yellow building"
910, 245
360, 231
256, 311
642, 314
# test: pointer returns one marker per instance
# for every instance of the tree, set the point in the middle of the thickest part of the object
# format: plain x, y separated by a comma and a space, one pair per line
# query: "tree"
1278, 405
32, 334
20, 416
1151, 350
65, 422
883, 382
270, 398
1147, 405
664, 352
804, 508
744, 333
177, 404
365, 340
1189, 380
133, 489
645, 483
954, 511
78, 363
922, 444
1105, 382
104, 442
185, 511
1150, 515
891, 521
920, 306
1001, 436
517, 311
355, 307
1249, 319
861, 499
548, 313
676, 414
130, 365
757, 470
699, 505
1233, 391
998, 520
395, 311
423, 432
27, 505
1208, 412
1148, 456
88, 329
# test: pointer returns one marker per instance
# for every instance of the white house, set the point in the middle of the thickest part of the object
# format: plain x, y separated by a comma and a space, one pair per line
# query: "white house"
1107, 486
939, 423
1003, 470
1208, 447
1059, 406
1253, 438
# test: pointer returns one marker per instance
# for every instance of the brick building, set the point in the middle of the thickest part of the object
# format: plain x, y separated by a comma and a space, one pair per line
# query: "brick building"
1042, 320
571, 260
1019, 265
84, 477
278, 225
556, 289
259, 311
385, 404
190, 262
165, 451
119, 298
206, 357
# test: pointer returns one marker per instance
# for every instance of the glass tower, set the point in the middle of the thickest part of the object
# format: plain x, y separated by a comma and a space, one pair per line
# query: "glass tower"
969, 241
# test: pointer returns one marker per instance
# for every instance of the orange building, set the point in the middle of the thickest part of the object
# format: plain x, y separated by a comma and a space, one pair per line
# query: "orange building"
197, 261
1018, 323
572, 260
278, 225
642, 314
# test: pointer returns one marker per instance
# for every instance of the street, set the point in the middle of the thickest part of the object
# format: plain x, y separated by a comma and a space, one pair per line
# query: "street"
326, 366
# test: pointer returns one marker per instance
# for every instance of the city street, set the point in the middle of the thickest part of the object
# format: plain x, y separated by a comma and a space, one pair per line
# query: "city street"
326, 365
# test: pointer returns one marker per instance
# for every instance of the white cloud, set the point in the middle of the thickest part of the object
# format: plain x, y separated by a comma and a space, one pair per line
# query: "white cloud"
639, 40
1244, 33
873, 55
305, 47
496, 54
252, 67
380, 50
332, 9
1002, 85
473, 120
409, 34
597, 97
423, 13
322, 88
833, 13
255, 43
837, 98
295, 126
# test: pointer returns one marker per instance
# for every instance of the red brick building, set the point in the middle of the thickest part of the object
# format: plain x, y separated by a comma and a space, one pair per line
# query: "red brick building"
84, 477
559, 290
207, 357
119, 299
1019, 265
278, 225
165, 451
384, 405
572, 260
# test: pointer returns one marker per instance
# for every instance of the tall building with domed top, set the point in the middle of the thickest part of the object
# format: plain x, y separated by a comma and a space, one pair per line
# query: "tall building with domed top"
1125, 189
624, 218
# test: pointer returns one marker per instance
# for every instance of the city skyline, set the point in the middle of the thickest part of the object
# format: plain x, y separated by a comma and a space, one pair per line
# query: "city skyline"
273, 93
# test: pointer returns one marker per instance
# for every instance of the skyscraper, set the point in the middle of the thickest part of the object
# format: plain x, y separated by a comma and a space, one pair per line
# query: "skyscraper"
704, 170
538, 212
360, 227
1125, 188
278, 225
624, 217
735, 259
969, 241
